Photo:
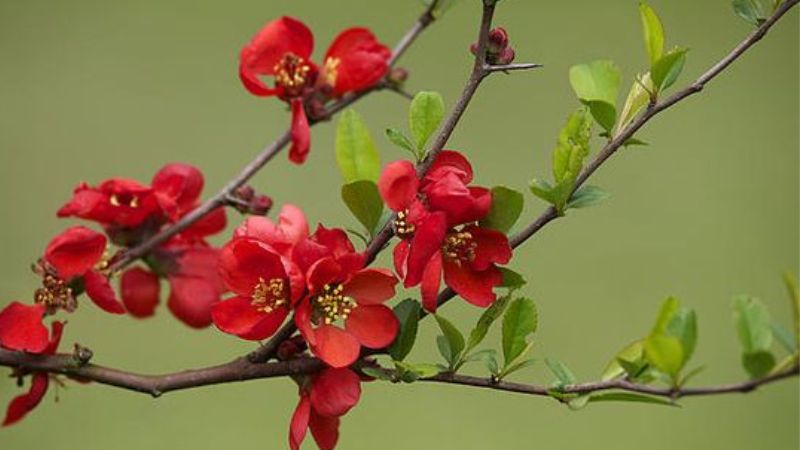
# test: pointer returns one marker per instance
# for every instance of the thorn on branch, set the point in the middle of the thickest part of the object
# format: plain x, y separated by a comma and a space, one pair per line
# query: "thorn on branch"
490, 68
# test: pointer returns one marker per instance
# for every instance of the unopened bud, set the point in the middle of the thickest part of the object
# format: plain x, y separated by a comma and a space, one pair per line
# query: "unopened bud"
245, 192
260, 205
498, 40
290, 348
398, 76
506, 57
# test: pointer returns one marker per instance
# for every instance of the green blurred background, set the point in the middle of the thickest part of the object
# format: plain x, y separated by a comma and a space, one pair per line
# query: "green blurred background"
96, 89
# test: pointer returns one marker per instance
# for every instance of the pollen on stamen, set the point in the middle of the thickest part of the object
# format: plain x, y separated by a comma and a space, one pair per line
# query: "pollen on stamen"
402, 228
331, 70
333, 305
55, 294
292, 72
459, 247
268, 295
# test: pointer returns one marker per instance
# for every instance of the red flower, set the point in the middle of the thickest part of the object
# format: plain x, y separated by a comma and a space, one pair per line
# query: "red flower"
436, 218
21, 328
71, 257
264, 290
115, 202
340, 290
282, 49
177, 188
291, 229
25, 403
332, 393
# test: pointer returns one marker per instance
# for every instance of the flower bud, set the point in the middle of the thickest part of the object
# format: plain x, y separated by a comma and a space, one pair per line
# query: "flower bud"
245, 192
260, 205
506, 57
398, 76
498, 40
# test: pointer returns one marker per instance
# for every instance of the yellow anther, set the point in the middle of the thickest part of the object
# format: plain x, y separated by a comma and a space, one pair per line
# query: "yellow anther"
269, 295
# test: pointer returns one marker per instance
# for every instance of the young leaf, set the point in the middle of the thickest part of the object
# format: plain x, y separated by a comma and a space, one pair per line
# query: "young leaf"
794, 298
518, 365
451, 342
597, 84
506, 209
399, 139
562, 372
638, 98
543, 190
587, 196
653, 32
356, 154
486, 320
425, 115
753, 324
629, 397
754, 12
758, 363
684, 327
407, 313
633, 353
519, 322
572, 147
413, 372
784, 337
667, 69
378, 373
663, 348
364, 201
512, 280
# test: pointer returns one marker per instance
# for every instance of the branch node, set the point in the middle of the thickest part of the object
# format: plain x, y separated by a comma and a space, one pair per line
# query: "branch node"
82, 355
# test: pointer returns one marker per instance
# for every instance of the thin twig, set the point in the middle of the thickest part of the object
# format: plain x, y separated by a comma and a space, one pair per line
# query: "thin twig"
511, 67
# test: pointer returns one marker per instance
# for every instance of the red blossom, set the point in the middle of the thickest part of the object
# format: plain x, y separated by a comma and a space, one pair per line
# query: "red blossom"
282, 50
331, 394
114, 202
23, 404
21, 328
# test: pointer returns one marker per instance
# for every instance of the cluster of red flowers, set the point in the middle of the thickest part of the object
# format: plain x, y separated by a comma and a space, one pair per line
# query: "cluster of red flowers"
269, 269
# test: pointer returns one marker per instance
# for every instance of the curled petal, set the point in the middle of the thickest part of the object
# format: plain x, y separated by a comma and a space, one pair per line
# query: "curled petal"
302, 319
335, 391
325, 430
355, 61
239, 317
102, 294
476, 287
375, 326
398, 185
299, 424
292, 228
450, 162
177, 187
210, 224
74, 251
371, 286
492, 247
285, 35
140, 291
431, 280
324, 272
21, 328
301, 133
336, 347
335, 239
245, 262
191, 300
25, 403
427, 241
399, 256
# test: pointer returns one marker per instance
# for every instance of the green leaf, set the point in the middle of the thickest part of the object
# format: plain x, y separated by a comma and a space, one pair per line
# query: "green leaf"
587, 196
519, 322
663, 348
356, 154
377, 372
481, 355
632, 353
518, 365
512, 280
692, 373
506, 209
794, 298
753, 324
572, 147
684, 327
665, 353
425, 115
754, 12
638, 98
562, 372
629, 397
653, 32
597, 84
784, 337
543, 190
413, 372
451, 342
667, 69
758, 363
407, 313
399, 139
489, 316
364, 201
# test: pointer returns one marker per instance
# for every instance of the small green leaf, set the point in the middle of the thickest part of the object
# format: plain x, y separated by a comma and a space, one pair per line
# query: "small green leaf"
451, 342
512, 280
518, 365
784, 337
364, 201
758, 363
572, 147
667, 69
663, 349
754, 12
638, 98
356, 154
407, 313
562, 372
425, 115
587, 196
597, 84
519, 322
480, 355
632, 353
378, 373
653, 32
486, 320
753, 324
399, 139
629, 397
692, 373
542, 189
794, 298
506, 209
414, 372
684, 327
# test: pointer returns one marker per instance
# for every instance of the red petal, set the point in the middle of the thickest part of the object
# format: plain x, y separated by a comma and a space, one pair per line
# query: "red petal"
334, 239
21, 328
55, 337
398, 185
473, 286
299, 423
308, 252
244, 261
199, 261
191, 299
449, 161
324, 272
237, 316
25, 403
431, 280
361, 61
75, 251
275, 40
139, 289
335, 391
302, 318
301, 133
399, 255
178, 184
336, 347
102, 294
210, 224
492, 247
427, 241
374, 326
371, 286
325, 431
292, 228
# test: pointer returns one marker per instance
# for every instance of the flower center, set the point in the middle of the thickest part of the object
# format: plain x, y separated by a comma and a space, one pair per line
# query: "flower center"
332, 305
331, 70
402, 228
268, 295
55, 294
459, 247
292, 73
129, 200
